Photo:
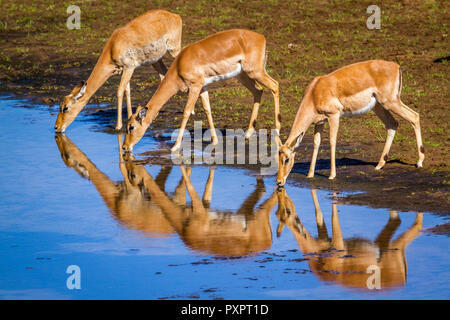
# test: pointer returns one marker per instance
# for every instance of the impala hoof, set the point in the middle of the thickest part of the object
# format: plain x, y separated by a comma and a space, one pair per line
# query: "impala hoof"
249, 133
175, 148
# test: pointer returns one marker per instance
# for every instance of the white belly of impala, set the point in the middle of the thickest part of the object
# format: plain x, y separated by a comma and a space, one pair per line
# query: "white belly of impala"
225, 76
233, 217
362, 110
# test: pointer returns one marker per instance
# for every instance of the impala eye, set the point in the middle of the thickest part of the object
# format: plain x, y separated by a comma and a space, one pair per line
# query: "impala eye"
130, 128
65, 109
286, 161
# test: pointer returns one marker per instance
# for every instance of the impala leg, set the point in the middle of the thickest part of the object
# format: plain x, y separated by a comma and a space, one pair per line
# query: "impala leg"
128, 94
257, 91
179, 195
194, 92
207, 193
207, 107
318, 129
319, 215
321, 227
409, 235
334, 127
160, 68
162, 176
403, 111
337, 239
248, 206
126, 76
199, 212
122, 165
384, 238
270, 83
391, 126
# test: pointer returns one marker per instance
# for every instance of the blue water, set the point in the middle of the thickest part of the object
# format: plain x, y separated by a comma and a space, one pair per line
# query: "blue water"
52, 217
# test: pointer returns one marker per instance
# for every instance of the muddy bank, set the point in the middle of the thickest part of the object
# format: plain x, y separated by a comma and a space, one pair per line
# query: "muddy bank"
442, 229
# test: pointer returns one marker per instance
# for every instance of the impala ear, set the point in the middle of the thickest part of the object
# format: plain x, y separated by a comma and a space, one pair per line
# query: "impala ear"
299, 139
280, 228
81, 88
141, 113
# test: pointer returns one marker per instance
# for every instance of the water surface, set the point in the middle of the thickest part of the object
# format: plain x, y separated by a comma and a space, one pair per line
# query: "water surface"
170, 232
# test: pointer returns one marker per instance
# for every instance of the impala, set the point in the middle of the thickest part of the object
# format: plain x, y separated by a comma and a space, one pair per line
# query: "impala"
350, 91
127, 200
232, 53
146, 39
335, 259
244, 232
141, 202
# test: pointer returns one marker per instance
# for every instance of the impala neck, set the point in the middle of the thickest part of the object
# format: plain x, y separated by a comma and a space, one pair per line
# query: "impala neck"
172, 212
169, 86
304, 118
101, 72
105, 187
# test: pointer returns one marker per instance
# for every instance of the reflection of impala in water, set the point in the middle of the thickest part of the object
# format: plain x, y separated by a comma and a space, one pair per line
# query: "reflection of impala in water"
127, 200
141, 202
244, 232
345, 261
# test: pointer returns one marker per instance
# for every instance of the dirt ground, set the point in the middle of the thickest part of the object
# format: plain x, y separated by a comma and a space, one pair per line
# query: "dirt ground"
41, 59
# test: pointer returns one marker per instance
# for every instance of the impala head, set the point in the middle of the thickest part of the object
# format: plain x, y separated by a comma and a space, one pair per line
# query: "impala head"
286, 213
286, 157
64, 146
71, 155
70, 107
135, 173
135, 129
